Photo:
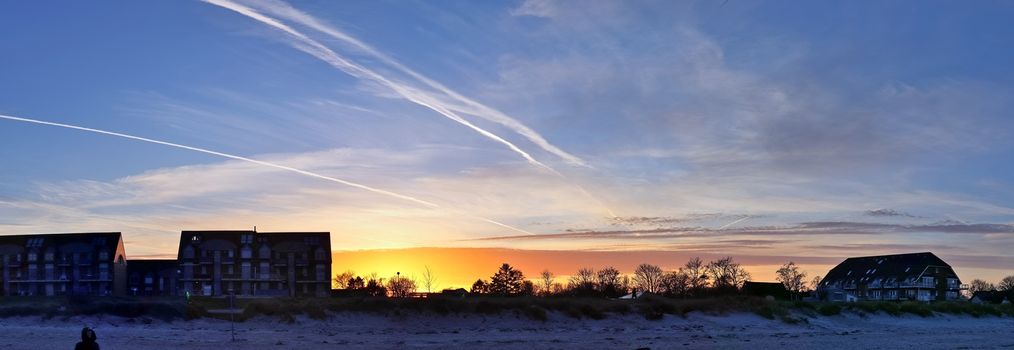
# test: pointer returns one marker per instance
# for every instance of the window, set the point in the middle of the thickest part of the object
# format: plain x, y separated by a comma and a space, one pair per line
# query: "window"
319, 254
265, 271
34, 242
103, 255
32, 256
246, 239
49, 256
104, 271
246, 252
321, 273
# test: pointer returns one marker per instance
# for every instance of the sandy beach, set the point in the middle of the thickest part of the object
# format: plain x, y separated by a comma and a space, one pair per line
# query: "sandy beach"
368, 331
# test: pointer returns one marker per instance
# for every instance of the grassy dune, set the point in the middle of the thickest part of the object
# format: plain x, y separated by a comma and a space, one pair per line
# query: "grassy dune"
286, 309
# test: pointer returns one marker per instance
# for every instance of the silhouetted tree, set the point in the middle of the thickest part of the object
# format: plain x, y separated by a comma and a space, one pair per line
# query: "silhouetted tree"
676, 284
978, 285
375, 287
726, 275
608, 280
506, 281
400, 287
791, 278
1006, 284
479, 287
527, 288
341, 280
546, 282
815, 283
648, 278
582, 283
697, 276
428, 280
355, 283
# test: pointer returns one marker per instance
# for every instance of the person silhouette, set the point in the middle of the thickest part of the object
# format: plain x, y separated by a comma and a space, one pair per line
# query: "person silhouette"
87, 340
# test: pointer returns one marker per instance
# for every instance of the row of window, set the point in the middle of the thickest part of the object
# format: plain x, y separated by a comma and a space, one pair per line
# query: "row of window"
50, 256
247, 253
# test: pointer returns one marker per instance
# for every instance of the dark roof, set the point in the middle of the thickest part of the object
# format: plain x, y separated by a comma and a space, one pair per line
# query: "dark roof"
322, 239
889, 268
151, 264
993, 296
109, 240
775, 289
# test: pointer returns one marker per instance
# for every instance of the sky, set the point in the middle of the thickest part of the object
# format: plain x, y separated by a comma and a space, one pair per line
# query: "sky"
555, 134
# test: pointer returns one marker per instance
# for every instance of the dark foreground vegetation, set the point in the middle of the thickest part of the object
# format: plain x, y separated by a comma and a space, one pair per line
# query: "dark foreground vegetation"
650, 307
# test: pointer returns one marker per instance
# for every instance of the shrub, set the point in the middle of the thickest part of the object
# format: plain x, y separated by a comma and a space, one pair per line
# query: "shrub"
535, 313
829, 309
916, 309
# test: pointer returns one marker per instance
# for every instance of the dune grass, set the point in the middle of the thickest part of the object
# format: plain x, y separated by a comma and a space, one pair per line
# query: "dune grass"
539, 309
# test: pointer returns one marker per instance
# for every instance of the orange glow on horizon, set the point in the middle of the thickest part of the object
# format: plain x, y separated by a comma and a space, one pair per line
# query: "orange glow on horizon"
460, 267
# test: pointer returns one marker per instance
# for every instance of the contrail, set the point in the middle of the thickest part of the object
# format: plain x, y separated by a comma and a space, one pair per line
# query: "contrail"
322, 52
284, 10
254, 161
734, 222
316, 49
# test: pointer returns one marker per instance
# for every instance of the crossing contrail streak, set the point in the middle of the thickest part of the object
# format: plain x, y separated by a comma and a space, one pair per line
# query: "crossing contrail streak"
322, 52
284, 10
254, 161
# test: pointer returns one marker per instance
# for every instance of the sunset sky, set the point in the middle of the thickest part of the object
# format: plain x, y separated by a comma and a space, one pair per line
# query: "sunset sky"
548, 134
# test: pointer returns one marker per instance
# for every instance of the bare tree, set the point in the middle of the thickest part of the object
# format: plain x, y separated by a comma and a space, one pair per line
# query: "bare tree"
428, 280
815, 283
341, 280
791, 278
676, 283
697, 275
648, 278
726, 274
546, 282
583, 282
978, 285
608, 280
400, 287
1006, 284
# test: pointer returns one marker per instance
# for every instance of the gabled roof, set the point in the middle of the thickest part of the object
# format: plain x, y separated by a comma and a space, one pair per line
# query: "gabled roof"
887, 268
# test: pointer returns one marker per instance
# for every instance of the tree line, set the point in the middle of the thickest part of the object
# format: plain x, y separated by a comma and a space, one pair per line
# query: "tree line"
696, 278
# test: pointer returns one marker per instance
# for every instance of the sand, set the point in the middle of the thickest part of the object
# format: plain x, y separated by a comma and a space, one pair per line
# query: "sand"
367, 331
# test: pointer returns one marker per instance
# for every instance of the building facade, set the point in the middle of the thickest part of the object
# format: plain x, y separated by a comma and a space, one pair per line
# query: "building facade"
214, 263
152, 277
916, 276
63, 264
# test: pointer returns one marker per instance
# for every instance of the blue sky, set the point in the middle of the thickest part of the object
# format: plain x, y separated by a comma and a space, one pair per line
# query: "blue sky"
781, 129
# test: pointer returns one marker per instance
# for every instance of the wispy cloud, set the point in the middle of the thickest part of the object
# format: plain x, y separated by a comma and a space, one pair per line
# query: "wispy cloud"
450, 99
806, 229
412, 93
265, 164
